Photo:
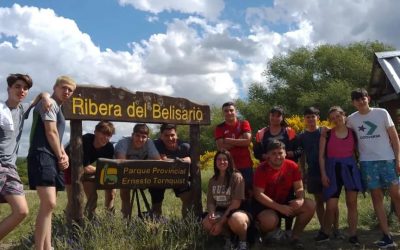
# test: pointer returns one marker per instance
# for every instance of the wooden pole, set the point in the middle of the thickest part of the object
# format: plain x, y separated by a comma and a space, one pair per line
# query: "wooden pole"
195, 169
76, 212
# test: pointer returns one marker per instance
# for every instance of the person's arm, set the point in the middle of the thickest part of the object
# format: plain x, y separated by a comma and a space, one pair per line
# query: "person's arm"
299, 192
321, 156
268, 202
394, 140
243, 141
53, 138
46, 100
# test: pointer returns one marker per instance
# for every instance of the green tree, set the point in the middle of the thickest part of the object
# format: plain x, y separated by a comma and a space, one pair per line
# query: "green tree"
322, 77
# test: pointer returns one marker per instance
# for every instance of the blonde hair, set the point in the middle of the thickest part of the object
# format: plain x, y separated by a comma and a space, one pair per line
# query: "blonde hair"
65, 80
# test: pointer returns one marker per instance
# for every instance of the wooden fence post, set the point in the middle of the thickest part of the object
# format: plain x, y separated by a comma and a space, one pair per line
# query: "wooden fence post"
195, 169
76, 213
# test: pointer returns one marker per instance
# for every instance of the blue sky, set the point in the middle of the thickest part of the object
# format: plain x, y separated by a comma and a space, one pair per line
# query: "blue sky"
208, 51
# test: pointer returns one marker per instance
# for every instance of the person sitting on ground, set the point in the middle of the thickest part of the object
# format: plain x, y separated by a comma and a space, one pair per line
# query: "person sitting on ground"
273, 181
339, 168
137, 147
225, 194
94, 146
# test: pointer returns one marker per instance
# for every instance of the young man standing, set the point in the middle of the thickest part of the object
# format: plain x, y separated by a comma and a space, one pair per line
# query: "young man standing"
137, 147
170, 147
379, 149
47, 158
274, 179
12, 116
308, 141
234, 135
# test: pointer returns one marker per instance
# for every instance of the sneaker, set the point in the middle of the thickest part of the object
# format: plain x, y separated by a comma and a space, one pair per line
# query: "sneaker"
354, 241
296, 244
385, 242
228, 244
338, 235
243, 245
321, 237
275, 236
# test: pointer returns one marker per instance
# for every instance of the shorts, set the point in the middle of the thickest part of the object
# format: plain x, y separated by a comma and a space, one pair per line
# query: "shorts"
258, 208
314, 184
43, 171
379, 174
10, 183
157, 194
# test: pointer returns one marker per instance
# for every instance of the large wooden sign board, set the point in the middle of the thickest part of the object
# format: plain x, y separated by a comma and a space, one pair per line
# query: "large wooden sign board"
119, 104
132, 174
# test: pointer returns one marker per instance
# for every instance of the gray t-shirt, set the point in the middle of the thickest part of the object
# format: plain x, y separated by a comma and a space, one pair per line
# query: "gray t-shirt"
148, 151
10, 135
38, 139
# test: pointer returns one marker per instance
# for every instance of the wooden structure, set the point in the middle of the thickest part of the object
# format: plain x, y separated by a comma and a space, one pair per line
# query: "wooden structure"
384, 86
118, 104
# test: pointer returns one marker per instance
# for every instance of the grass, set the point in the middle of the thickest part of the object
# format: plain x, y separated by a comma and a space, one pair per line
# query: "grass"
113, 232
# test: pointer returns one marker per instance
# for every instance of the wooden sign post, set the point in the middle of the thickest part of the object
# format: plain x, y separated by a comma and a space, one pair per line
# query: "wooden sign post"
118, 104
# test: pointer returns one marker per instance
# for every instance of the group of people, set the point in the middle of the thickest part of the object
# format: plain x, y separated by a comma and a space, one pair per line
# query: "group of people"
360, 152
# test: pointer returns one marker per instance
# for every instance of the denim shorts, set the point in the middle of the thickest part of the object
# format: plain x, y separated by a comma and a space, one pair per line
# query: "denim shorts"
43, 171
378, 174
10, 183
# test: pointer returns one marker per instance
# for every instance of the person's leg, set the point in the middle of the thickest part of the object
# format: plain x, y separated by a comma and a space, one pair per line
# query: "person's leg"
238, 223
186, 198
47, 197
352, 212
377, 202
394, 192
91, 196
268, 219
330, 214
19, 210
303, 216
109, 198
125, 202
157, 197
320, 208
68, 189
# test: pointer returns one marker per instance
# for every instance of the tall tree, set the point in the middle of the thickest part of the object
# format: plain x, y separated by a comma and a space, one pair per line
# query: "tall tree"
322, 77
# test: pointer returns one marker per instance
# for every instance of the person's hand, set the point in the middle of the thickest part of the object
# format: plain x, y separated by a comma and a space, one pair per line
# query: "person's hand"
63, 162
325, 181
46, 103
296, 203
286, 210
213, 218
217, 228
89, 169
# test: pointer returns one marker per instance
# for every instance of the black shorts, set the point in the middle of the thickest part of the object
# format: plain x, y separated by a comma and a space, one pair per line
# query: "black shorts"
314, 185
43, 171
258, 208
157, 194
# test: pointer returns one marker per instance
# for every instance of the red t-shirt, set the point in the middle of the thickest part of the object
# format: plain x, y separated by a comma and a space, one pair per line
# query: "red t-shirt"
277, 183
240, 155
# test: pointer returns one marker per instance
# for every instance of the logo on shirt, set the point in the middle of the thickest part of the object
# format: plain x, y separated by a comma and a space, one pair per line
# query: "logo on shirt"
370, 127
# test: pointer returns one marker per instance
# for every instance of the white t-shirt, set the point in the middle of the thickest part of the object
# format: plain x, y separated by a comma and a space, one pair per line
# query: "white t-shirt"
372, 136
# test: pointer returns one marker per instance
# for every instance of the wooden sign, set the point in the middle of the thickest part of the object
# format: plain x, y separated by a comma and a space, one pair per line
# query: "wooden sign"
119, 104
133, 174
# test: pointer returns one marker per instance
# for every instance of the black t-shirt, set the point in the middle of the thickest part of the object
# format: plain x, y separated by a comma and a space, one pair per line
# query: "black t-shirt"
90, 153
182, 151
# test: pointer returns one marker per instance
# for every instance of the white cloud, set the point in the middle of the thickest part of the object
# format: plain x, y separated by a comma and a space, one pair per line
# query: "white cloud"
210, 9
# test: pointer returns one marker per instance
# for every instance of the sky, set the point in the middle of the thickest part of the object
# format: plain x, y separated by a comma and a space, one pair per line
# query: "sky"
208, 51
